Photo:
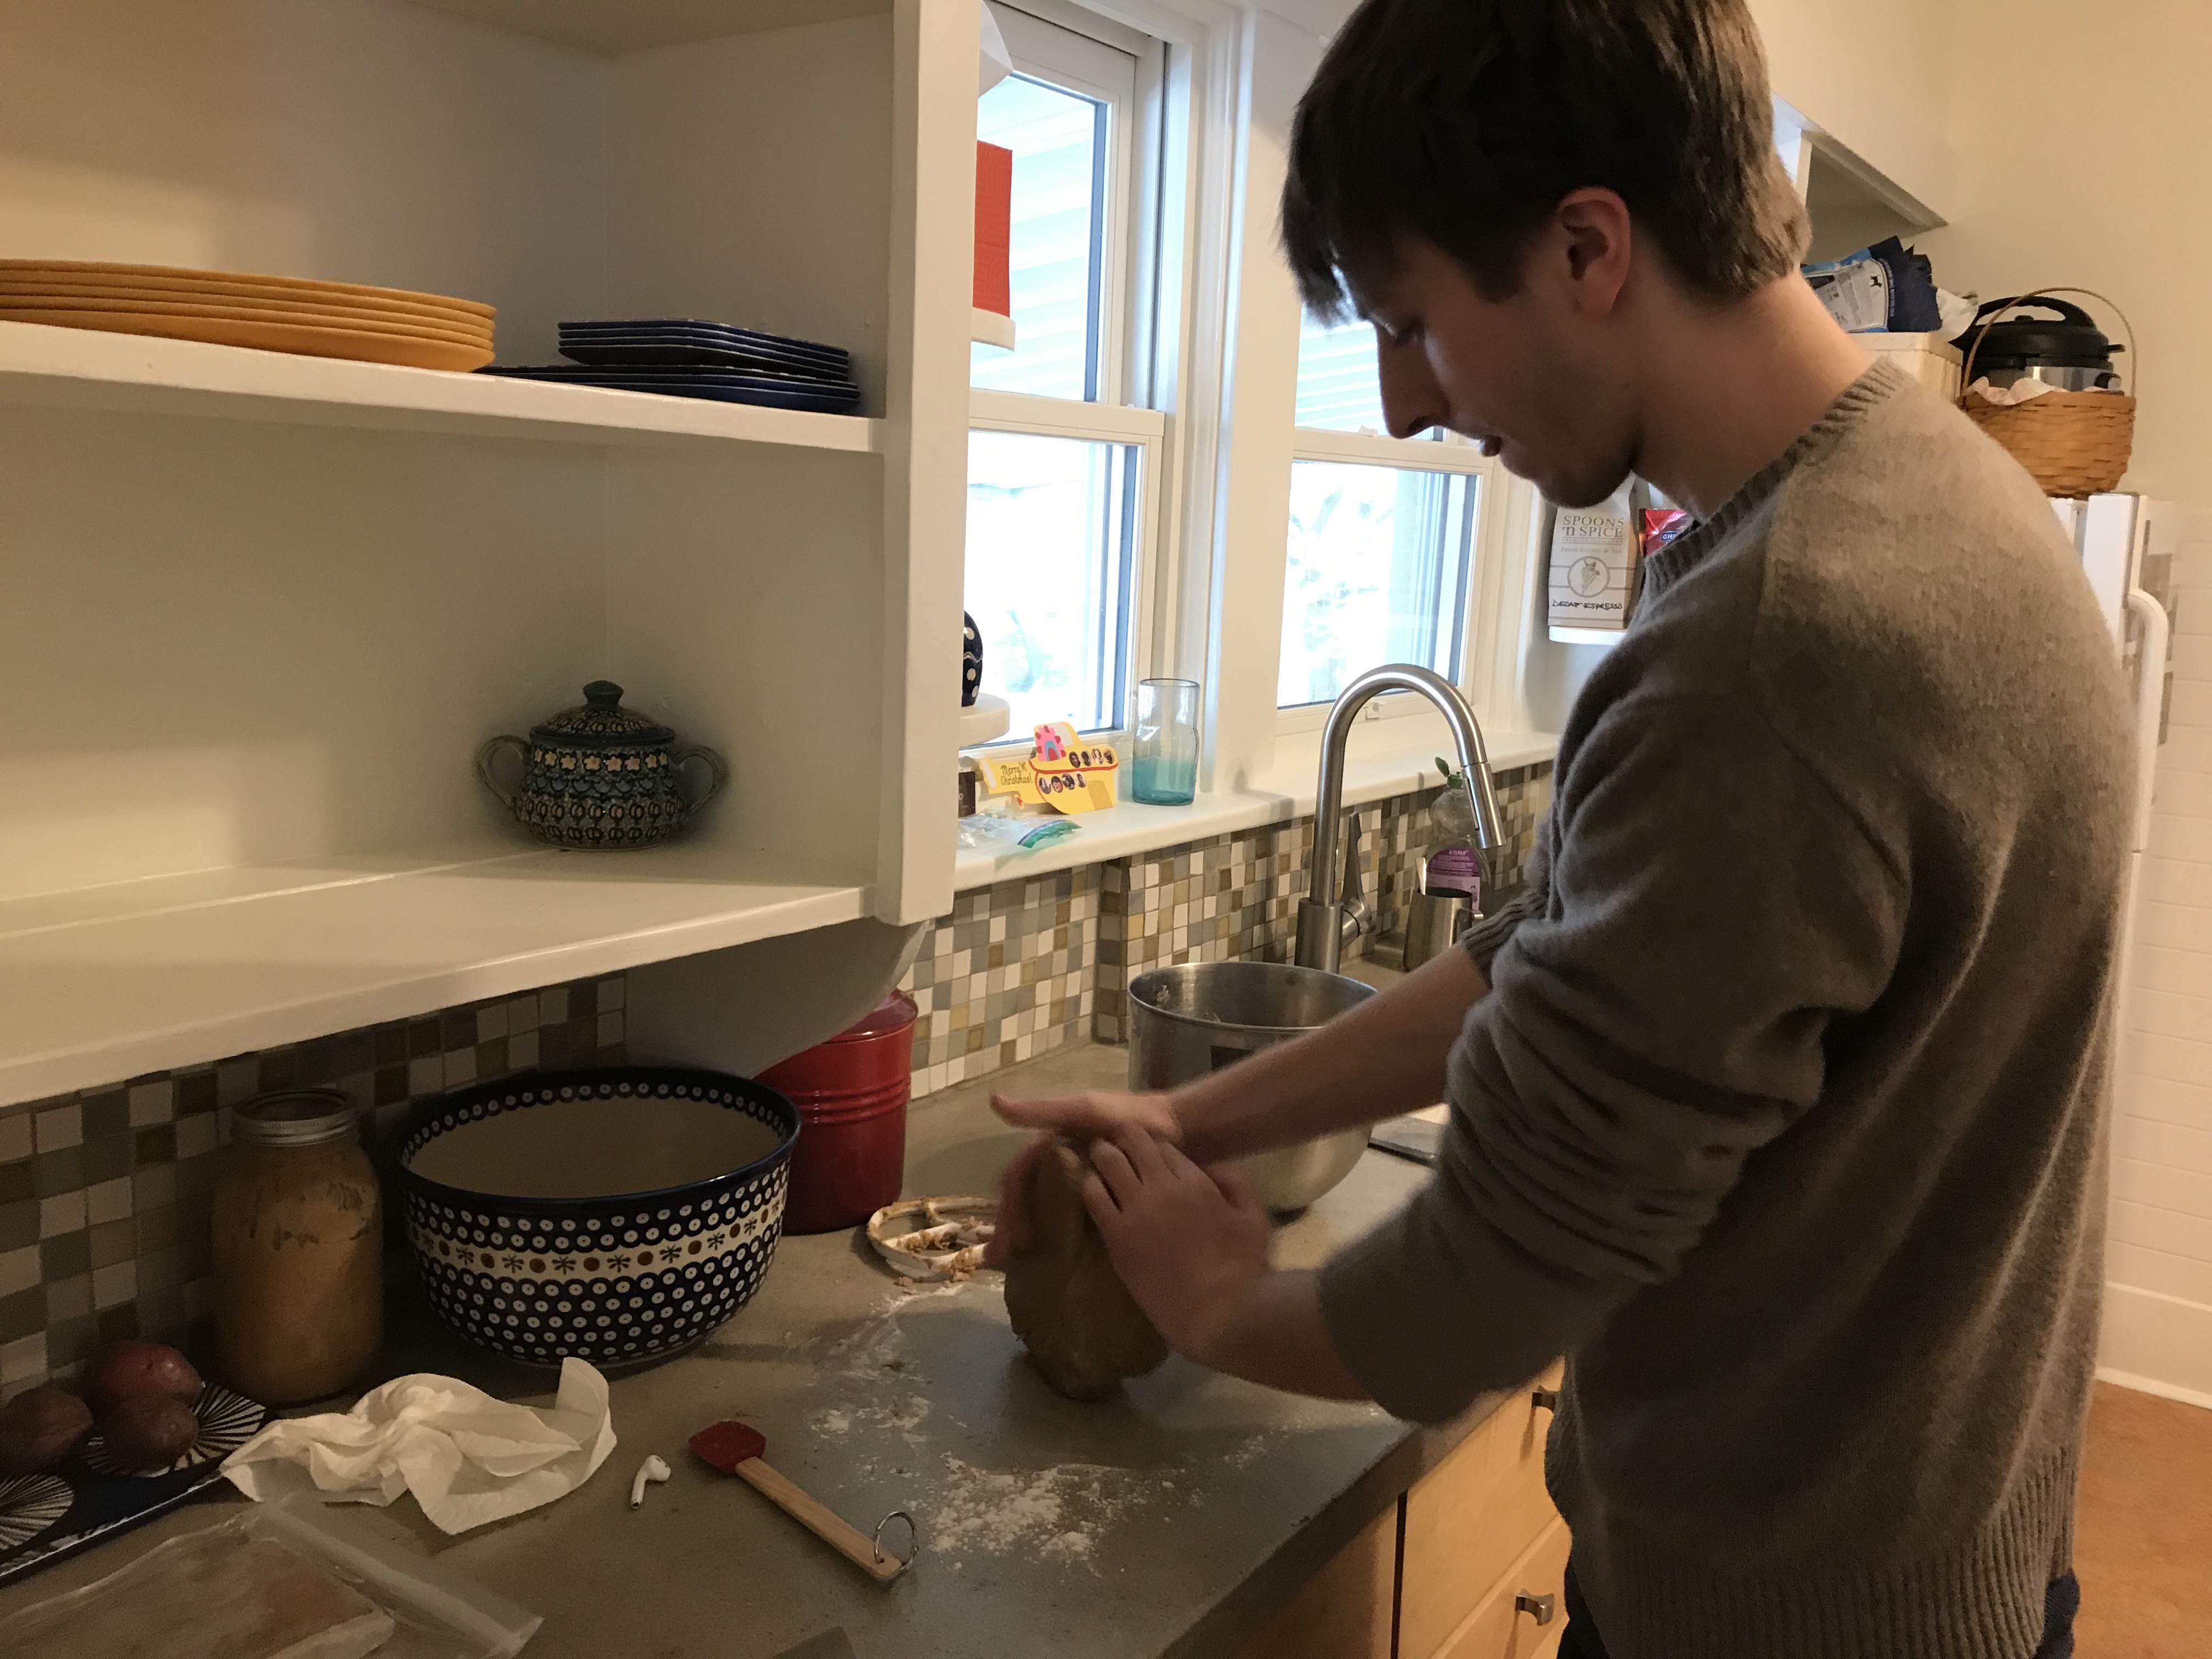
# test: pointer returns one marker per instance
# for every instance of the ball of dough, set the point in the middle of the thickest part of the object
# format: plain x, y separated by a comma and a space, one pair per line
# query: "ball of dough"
1082, 1327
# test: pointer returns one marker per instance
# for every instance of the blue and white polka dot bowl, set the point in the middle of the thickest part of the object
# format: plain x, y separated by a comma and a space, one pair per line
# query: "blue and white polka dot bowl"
620, 1280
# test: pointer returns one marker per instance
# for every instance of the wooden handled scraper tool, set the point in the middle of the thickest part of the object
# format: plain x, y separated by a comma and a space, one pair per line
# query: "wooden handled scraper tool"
736, 1448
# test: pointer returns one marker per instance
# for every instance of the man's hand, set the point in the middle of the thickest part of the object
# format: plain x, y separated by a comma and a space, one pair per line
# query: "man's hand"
1190, 1243
1076, 1117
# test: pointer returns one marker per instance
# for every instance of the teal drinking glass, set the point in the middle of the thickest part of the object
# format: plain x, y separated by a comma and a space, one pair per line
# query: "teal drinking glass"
1164, 766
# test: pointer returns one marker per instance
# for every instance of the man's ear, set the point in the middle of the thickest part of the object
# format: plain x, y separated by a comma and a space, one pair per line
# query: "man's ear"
1593, 237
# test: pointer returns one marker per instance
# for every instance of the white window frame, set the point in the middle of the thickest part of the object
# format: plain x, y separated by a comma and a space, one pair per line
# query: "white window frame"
1448, 452
1143, 279
1045, 44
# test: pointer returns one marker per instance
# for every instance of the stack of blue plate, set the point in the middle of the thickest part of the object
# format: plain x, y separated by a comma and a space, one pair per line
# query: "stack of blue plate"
683, 357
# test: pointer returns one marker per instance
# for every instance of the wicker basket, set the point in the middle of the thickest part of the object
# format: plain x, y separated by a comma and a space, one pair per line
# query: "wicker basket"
2072, 443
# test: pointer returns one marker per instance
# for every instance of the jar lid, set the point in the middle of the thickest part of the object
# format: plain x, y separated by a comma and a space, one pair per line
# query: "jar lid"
295, 1117
601, 719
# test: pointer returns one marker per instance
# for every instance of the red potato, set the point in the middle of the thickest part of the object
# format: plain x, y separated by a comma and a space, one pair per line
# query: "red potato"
39, 1428
132, 1370
150, 1430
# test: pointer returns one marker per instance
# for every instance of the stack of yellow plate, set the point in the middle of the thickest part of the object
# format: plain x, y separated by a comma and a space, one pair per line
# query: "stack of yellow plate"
274, 313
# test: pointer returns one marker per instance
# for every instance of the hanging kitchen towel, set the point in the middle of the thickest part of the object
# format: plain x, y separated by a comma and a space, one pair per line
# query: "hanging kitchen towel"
467, 1457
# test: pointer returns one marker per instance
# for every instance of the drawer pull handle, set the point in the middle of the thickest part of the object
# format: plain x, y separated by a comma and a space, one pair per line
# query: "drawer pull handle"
1541, 1608
1548, 1398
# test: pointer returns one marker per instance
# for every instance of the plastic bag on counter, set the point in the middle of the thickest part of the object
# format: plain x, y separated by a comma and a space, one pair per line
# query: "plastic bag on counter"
1958, 312
1885, 289
1002, 832
284, 1578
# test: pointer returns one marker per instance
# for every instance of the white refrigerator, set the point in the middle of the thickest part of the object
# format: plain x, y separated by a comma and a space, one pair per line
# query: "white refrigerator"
2127, 546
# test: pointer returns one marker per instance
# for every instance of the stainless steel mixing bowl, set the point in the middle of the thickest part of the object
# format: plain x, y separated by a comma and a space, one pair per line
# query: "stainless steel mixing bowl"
1189, 1021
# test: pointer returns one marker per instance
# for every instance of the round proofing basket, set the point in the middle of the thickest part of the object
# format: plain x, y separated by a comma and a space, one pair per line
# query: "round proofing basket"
2072, 443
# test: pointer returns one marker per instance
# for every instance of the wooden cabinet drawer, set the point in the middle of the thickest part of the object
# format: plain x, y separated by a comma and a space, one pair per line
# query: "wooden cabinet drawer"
1343, 1612
1472, 1517
1525, 1612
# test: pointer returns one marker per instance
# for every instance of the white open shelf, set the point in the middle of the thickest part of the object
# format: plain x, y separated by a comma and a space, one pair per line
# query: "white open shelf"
985, 722
84, 368
619, 26
115, 982
262, 609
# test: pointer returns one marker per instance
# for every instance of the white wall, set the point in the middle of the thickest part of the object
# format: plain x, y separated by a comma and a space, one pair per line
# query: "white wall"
1876, 76
317, 140
2117, 204
689, 129
2157, 1324
227, 694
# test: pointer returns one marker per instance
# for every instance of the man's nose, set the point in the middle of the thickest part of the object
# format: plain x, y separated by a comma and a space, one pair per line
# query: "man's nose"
1413, 402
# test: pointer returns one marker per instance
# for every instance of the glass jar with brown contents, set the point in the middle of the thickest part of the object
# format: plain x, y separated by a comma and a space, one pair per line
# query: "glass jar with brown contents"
299, 1243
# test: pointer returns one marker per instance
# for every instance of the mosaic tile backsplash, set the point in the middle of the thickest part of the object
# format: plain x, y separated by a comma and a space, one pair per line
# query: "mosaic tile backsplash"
1226, 898
104, 1194
1007, 976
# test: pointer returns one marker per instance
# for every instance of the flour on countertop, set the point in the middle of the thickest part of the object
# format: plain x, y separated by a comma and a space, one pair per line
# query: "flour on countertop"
1054, 1513
876, 1347
905, 1418
1247, 1452
925, 1290
1069, 1547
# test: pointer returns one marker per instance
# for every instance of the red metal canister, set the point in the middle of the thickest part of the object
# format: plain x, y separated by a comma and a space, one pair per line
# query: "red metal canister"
852, 1094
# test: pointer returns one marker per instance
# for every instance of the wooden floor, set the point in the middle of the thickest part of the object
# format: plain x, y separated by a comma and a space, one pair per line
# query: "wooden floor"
2143, 1535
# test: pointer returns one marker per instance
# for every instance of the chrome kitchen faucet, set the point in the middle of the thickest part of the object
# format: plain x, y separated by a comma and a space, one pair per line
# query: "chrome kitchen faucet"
1332, 913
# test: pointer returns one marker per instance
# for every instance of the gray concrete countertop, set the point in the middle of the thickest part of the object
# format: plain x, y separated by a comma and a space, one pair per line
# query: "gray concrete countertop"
1159, 1524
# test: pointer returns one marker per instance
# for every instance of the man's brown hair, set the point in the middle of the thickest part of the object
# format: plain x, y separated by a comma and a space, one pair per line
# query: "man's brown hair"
1466, 122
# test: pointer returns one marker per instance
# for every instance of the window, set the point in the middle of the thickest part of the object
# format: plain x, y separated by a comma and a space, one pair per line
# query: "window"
1383, 532
1059, 470
1338, 387
1049, 523
1063, 142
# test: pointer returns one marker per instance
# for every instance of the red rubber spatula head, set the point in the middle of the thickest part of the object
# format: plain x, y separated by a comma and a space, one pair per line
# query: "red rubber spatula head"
726, 1444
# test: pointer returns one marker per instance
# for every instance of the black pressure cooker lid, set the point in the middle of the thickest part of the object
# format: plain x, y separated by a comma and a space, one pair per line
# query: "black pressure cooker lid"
2071, 341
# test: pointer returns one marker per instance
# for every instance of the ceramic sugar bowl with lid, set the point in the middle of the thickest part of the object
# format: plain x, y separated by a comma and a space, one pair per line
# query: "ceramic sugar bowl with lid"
601, 775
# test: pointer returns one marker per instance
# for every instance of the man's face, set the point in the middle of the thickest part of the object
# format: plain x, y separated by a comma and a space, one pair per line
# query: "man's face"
1527, 377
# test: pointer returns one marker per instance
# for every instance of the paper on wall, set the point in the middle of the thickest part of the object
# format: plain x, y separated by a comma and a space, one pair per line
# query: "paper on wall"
1594, 554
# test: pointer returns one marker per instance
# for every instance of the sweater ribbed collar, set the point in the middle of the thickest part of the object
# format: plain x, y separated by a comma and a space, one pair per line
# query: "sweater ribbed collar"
1679, 557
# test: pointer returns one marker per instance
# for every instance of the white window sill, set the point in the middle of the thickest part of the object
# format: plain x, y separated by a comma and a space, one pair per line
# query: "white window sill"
1130, 827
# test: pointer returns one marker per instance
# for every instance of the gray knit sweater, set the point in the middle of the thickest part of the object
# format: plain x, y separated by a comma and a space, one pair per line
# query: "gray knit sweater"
1781, 1119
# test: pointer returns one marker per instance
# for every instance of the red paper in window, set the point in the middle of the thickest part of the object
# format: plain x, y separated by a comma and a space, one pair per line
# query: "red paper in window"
994, 217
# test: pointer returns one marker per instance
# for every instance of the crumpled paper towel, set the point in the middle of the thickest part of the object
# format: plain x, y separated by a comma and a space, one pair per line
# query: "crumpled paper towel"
2005, 397
467, 1457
